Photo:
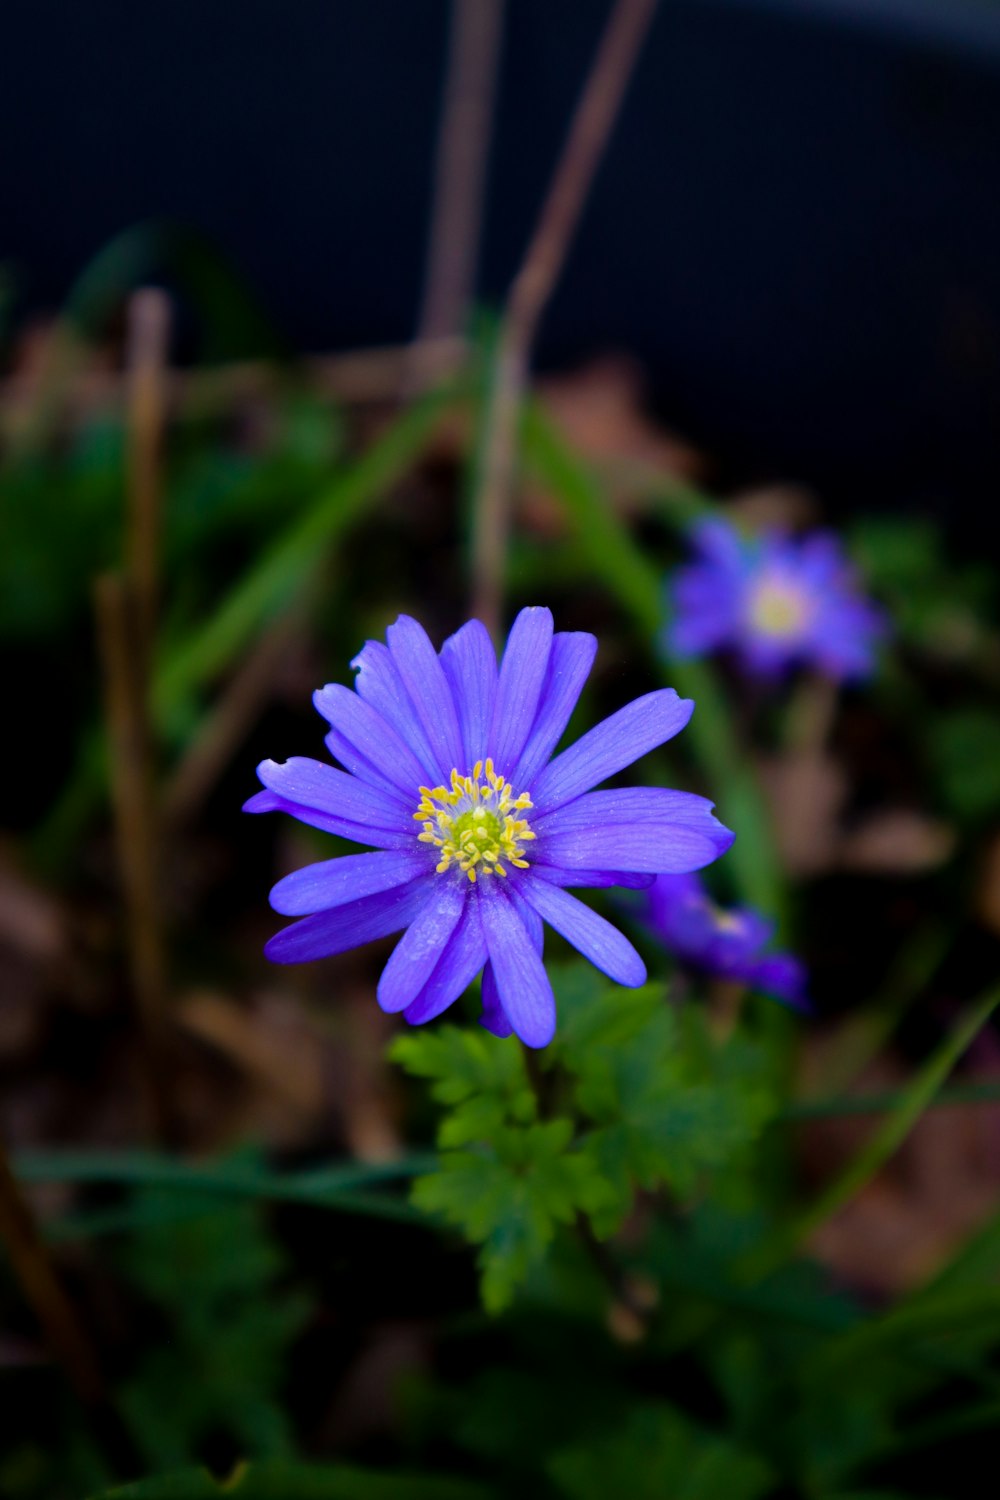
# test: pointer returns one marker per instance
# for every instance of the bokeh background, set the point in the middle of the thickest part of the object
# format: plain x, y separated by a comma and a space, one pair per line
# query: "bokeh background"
228, 455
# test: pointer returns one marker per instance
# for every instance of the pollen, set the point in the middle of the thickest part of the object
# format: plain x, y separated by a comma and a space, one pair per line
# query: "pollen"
477, 823
778, 609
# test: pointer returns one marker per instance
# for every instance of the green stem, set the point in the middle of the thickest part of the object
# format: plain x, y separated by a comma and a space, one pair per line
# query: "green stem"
639, 589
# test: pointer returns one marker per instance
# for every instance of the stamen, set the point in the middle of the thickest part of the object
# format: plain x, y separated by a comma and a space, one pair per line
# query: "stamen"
474, 822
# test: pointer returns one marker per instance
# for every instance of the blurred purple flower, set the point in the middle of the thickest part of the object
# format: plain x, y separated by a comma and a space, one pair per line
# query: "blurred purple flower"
775, 600
447, 772
682, 915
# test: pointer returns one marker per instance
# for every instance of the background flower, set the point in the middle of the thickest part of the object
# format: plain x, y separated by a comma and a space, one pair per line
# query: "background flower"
776, 600
447, 773
682, 915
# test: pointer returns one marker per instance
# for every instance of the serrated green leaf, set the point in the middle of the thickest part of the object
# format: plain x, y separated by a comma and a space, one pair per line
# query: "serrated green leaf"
510, 1197
464, 1065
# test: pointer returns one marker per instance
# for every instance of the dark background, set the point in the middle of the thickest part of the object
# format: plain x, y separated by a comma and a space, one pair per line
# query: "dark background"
797, 228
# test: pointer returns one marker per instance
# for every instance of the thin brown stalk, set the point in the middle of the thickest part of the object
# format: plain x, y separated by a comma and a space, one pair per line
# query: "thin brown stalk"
227, 724
147, 390
532, 287
135, 824
43, 1291
459, 181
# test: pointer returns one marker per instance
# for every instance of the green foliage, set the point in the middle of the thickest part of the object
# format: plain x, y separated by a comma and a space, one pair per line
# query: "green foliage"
679, 1460
641, 1096
521, 1178
215, 1282
942, 608
280, 1480
964, 750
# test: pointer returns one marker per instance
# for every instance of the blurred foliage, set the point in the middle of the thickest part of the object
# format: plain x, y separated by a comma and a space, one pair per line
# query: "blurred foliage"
214, 1282
630, 1196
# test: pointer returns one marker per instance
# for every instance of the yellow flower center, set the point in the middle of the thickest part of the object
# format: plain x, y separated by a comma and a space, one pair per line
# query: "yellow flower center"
475, 823
778, 609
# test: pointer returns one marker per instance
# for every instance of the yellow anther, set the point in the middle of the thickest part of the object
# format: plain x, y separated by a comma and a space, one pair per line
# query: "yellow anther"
474, 822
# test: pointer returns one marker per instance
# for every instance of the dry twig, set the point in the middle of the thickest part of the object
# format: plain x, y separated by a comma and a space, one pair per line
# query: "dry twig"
534, 283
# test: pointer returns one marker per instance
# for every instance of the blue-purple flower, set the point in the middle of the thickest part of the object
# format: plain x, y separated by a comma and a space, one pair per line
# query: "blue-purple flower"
775, 600
447, 772
729, 944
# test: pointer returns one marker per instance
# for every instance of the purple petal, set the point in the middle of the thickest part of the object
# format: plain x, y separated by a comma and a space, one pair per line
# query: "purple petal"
494, 1017
605, 947
457, 967
570, 661
722, 544
359, 833
378, 682
470, 665
523, 986
418, 951
428, 691
366, 744
522, 673
654, 849
331, 932
334, 882
783, 978
653, 807
350, 807
610, 746
628, 879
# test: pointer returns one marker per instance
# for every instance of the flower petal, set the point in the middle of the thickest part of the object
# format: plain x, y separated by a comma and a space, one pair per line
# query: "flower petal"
470, 665
418, 951
627, 879
607, 948
610, 746
334, 882
522, 673
570, 661
346, 806
331, 932
461, 961
366, 744
654, 849
494, 1018
378, 682
428, 691
522, 984
650, 806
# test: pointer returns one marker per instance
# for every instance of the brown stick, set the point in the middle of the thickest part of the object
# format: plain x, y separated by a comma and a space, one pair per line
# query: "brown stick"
460, 178
591, 126
357, 377
131, 791
43, 1291
146, 367
228, 721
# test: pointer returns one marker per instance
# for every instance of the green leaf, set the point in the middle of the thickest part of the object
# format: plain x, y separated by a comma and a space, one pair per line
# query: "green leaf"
964, 747
214, 1281
346, 1188
509, 1198
668, 1103
659, 1454
914, 1099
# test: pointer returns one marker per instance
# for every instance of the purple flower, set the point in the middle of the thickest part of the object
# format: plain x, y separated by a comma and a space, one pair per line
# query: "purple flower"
447, 772
776, 600
681, 913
